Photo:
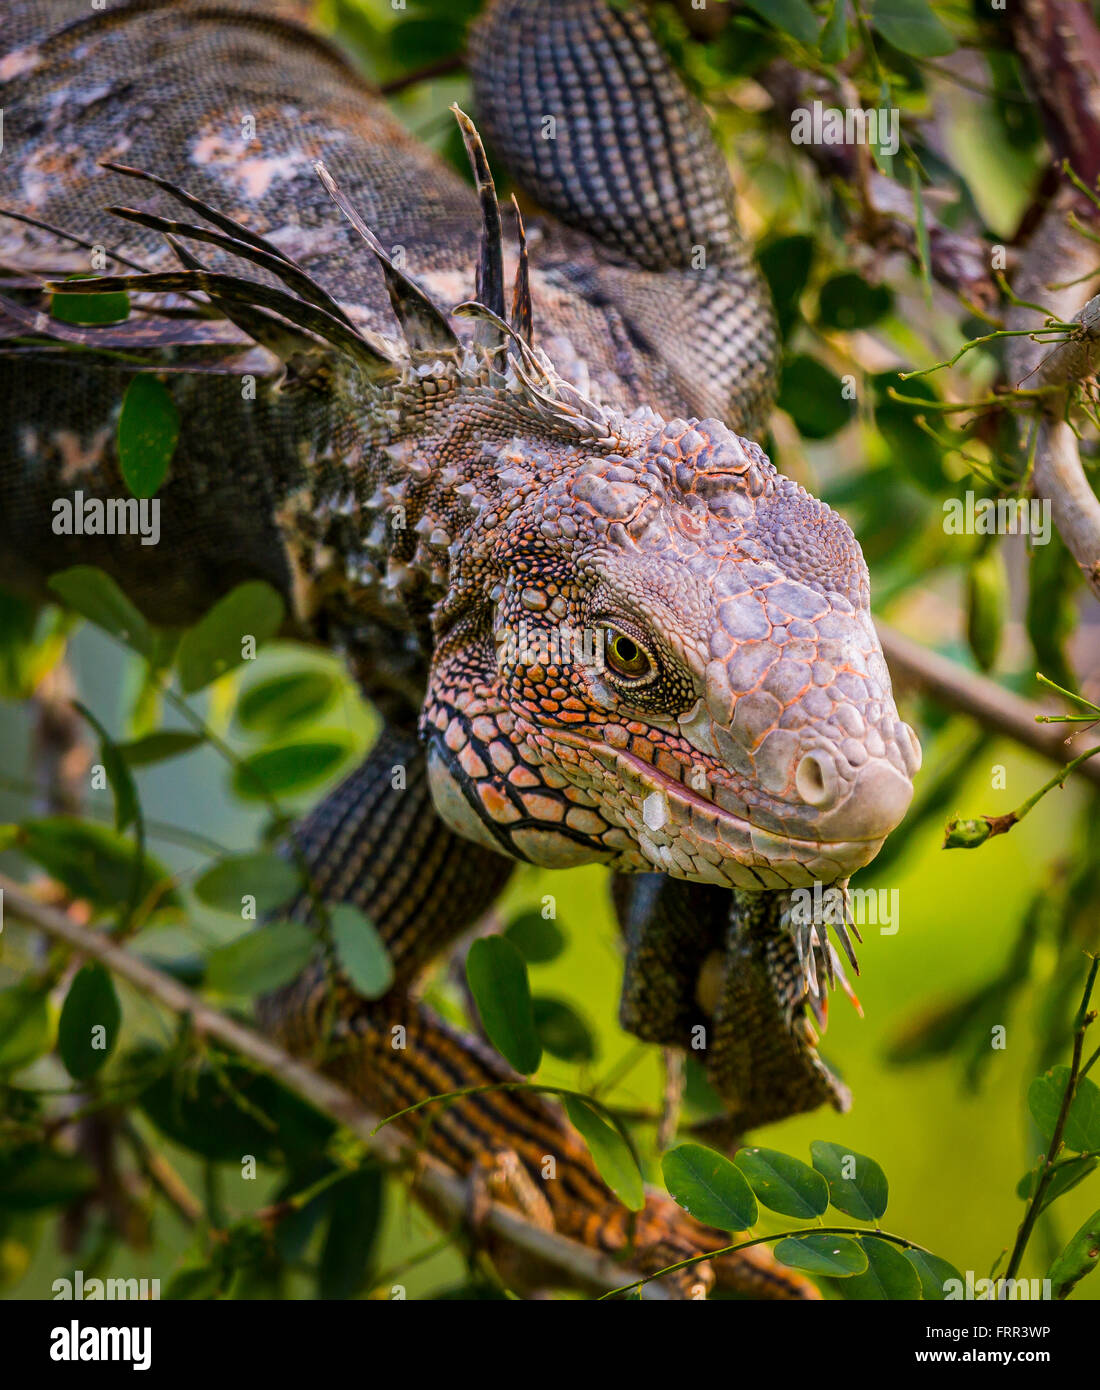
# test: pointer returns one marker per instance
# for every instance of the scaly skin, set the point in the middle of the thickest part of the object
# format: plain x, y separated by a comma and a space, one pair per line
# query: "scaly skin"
450, 506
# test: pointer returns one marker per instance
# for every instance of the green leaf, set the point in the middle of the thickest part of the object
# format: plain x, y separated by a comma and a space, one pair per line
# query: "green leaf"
786, 263
31, 644
269, 878
888, 1276
360, 950
33, 1176
794, 17
148, 427
497, 976
353, 1228
818, 1253
710, 1187
538, 939
986, 605
912, 27
857, 1185
1067, 1174
834, 37
562, 1031
1044, 1099
118, 774
290, 768
94, 862
419, 41
847, 301
783, 1183
261, 960
25, 1031
91, 1004
227, 1111
216, 643
96, 596
73, 307
933, 1273
1080, 1257
271, 707
813, 397
159, 747
609, 1149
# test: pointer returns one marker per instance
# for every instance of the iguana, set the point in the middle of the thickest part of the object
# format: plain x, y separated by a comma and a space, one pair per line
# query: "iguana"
598, 623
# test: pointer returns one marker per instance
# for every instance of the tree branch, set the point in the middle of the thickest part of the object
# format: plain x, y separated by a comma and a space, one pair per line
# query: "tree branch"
996, 708
1059, 46
442, 1192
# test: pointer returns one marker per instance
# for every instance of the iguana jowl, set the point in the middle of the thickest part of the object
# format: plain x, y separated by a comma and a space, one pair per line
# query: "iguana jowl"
605, 629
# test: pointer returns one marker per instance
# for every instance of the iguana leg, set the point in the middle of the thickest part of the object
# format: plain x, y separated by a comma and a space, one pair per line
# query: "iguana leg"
382, 846
706, 966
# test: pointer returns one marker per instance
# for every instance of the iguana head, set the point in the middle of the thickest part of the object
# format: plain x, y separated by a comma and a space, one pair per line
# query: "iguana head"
656, 651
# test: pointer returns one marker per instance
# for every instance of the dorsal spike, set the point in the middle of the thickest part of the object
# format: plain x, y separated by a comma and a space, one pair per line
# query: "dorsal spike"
490, 262
521, 319
270, 331
364, 348
210, 214
291, 274
422, 321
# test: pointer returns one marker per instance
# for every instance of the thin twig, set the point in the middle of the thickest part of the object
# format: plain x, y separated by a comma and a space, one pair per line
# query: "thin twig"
1035, 1206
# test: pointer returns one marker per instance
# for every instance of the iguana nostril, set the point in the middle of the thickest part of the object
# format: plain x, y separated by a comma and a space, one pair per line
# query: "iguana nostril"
815, 779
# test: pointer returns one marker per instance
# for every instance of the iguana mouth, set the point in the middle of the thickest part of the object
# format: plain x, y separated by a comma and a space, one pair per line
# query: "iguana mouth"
765, 858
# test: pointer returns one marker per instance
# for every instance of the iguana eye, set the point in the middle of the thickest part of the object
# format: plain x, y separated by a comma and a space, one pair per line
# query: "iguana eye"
625, 657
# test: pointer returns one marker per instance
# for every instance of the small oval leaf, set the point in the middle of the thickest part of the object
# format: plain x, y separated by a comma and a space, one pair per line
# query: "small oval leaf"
90, 1017
933, 1273
268, 878
562, 1031
857, 1185
912, 27
818, 1253
710, 1187
783, 1183
290, 768
1044, 1099
888, 1276
282, 702
89, 308
538, 939
497, 976
360, 950
261, 960
148, 427
158, 747
96, 596
610, 1151
847, 302
228, 634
